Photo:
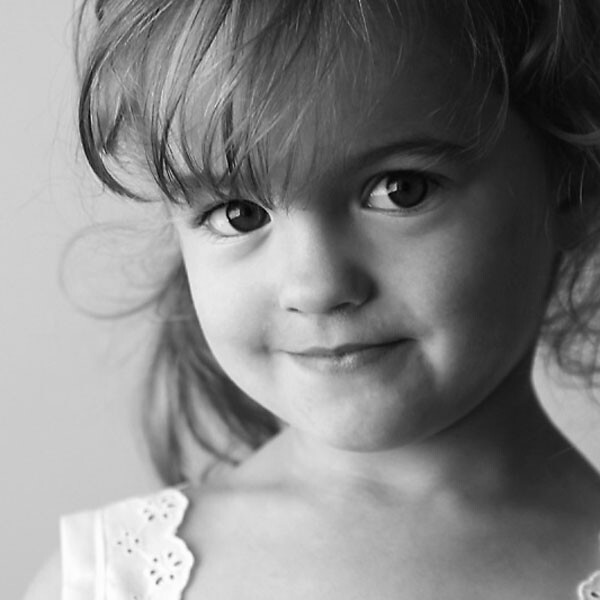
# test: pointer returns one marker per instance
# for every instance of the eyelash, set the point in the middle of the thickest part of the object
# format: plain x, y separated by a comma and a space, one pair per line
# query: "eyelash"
200, 221
429, 181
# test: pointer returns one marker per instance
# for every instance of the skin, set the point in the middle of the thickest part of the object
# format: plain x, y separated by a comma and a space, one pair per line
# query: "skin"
426, 469
433, 451
460, 282
443, 429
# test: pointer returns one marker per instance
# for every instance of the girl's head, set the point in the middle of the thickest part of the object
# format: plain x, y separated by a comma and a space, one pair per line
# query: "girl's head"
378, 202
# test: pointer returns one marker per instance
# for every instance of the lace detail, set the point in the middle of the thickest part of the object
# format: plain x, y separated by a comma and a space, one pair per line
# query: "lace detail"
145, 560
130, 551
590, 588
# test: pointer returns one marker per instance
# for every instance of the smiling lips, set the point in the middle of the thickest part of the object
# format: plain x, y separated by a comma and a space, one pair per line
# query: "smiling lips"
345, 358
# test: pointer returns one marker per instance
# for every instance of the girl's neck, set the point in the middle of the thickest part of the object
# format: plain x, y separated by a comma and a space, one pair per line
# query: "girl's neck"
505, 449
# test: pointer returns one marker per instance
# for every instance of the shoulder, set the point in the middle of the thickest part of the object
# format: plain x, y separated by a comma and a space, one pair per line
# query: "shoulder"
127, 545
47, 583
166, 506
162, 510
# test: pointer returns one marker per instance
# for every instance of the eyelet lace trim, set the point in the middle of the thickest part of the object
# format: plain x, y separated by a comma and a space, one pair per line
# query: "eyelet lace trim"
138, 556
145, 560
590, 588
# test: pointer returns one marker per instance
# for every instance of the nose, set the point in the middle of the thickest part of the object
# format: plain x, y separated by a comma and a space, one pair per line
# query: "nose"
321, 270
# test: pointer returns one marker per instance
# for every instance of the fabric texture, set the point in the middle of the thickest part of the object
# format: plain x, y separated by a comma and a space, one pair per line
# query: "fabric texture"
127, 551
590, 588
130, 551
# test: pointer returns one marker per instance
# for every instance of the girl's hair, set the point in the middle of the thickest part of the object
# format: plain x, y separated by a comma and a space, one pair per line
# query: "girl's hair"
181, 94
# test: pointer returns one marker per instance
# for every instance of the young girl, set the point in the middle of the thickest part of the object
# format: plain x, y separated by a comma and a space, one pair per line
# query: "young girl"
382, 207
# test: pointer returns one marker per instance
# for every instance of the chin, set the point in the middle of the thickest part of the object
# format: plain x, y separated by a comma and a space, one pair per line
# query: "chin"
365, 432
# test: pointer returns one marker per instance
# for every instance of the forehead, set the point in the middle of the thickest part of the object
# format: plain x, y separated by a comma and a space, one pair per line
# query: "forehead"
380, 99
251, 114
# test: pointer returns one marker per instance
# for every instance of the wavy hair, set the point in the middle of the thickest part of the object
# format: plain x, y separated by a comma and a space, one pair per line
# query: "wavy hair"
182, 93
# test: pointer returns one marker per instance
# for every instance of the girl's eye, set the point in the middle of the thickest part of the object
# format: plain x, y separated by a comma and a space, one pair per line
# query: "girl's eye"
399, 191
234, 218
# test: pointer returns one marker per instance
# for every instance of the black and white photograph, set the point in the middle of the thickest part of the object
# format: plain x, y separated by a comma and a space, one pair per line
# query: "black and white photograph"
301, 299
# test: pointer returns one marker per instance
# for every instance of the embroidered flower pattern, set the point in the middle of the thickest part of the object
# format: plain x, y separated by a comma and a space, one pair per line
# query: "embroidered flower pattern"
590, 588
161, 507
145, 558
165, 567
127, 542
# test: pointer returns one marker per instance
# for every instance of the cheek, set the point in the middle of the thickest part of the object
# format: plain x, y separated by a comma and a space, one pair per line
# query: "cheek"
485, 287
228, 306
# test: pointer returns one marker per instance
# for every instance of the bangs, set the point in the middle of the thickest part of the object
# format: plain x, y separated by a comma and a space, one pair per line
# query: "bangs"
194, 95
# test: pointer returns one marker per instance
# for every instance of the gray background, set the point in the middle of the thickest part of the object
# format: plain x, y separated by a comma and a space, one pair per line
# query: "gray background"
66, 381
69, 384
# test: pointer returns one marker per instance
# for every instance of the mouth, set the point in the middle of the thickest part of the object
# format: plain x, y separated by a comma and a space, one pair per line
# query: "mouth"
345, 358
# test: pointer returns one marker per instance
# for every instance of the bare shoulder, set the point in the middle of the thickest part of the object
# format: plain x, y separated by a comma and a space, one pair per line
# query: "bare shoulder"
47, 583
230, 495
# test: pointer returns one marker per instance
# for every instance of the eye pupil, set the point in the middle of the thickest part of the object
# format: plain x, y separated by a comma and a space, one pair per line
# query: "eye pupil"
406, 190
245, 216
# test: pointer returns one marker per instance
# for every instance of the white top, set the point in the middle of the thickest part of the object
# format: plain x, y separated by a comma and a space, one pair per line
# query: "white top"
126, 551
130, 551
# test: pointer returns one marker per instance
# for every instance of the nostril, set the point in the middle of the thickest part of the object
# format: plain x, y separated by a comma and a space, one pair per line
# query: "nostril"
345, 307
332, 295
322, 273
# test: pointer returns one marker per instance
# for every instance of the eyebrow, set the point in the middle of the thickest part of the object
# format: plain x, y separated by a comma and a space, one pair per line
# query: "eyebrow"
422, 146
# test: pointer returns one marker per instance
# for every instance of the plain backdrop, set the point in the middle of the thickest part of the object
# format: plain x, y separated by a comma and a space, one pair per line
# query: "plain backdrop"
69, 384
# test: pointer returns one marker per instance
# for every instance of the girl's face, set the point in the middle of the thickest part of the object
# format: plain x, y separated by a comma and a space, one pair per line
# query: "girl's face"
403, 280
